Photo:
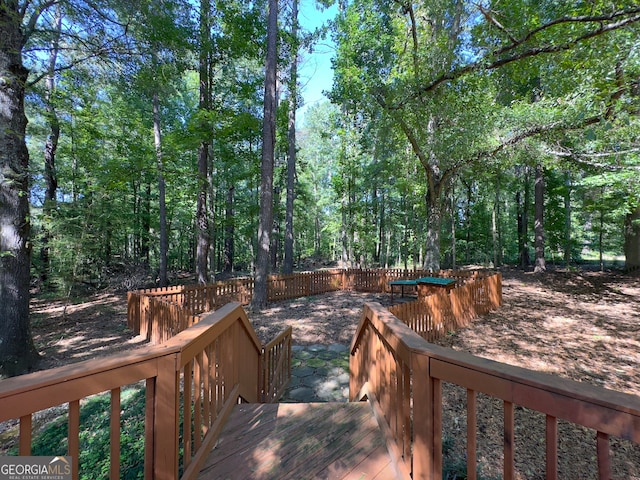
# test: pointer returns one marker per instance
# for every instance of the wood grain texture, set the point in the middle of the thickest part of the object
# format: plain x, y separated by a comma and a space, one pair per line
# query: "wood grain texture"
311, 441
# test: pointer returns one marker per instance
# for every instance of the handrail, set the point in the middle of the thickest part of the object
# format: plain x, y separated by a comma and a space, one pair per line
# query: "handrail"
158, 314
276, 364
403, 374
199, 374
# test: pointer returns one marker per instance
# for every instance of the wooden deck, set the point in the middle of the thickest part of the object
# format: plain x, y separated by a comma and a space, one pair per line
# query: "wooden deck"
300, 441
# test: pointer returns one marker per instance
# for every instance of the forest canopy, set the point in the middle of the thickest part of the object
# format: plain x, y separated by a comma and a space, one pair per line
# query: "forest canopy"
492, 132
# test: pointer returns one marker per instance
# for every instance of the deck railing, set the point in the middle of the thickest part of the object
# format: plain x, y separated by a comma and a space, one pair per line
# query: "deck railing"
403, 375
192, 382
153, 322
433, 316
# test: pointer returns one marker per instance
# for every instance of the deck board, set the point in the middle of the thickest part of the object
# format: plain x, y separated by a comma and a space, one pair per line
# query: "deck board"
301, 440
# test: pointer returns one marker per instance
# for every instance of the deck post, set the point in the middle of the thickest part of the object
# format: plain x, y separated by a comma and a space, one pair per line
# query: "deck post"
165, 440
423, 424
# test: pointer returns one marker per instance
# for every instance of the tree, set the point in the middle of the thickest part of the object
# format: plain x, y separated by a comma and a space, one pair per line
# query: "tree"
17, 352
51, 145
431, 69
287, 266
202, 222
540, 265
632, 239
259, 299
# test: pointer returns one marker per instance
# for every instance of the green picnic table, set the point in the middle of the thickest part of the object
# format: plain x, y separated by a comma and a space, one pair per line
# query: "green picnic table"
437, 282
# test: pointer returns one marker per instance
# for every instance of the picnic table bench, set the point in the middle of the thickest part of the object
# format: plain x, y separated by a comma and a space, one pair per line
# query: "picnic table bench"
424, 285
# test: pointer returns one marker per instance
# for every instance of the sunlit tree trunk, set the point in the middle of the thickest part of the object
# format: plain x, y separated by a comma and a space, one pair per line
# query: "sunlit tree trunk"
265, 226
202, 223
17, 351
164, 238
287, 266
540, 265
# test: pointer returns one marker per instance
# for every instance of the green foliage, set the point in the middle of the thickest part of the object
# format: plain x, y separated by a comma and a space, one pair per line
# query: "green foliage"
94, 436
401, 141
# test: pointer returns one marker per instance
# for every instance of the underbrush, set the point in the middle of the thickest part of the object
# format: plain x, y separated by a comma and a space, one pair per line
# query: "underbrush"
52, 439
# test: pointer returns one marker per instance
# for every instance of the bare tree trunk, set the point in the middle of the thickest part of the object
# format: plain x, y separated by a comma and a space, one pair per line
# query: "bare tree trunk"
601, 233
453, 228
344, 237
145, 227
632, 239
17, 351
202, 246
523, 221
50, 147
467, 221
164, 238
567, 217
287, 266
540, 266
496, 230
229, 228
259, 300
434, 223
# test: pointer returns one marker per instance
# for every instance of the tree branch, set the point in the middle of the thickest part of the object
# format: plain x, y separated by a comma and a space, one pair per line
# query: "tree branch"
31, 25
629, 17
584, 158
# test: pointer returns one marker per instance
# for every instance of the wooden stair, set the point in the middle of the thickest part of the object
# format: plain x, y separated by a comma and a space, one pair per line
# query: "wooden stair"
300, 441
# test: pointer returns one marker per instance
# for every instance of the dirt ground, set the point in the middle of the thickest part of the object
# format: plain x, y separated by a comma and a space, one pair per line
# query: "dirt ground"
579, 325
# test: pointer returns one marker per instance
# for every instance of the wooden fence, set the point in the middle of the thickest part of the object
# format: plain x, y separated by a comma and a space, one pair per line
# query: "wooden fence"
192, 382
402, 375
433, 316
148, 318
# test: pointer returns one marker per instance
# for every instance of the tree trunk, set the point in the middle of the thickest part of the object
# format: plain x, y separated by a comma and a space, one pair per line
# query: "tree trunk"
523, 221
540, 265
497, 230
145, 233
202, 246
229, 228
454, 218
50, 148
601, 233
434, 222
467, 221
344, 237
259, 300
164, 238
274, 249
632, 239
17, 351
567, 217
287, 266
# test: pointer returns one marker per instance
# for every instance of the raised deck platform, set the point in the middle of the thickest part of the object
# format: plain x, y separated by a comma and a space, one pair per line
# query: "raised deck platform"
302, 440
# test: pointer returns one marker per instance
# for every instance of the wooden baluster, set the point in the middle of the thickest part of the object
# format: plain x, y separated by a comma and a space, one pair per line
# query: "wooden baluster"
25, 435
552, 448
197, 402
437, 428
74, 436
149, 414
114, 433
187, 435
471, 434
604, 461
206, 388
509, 438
